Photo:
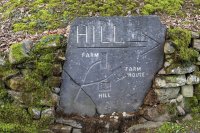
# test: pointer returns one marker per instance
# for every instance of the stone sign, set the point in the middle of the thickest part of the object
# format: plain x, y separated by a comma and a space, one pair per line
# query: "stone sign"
110, 63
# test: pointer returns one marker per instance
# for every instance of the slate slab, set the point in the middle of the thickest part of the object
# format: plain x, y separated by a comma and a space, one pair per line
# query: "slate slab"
110, 63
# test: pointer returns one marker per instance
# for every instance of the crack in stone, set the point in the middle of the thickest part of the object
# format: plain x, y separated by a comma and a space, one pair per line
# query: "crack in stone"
96, 111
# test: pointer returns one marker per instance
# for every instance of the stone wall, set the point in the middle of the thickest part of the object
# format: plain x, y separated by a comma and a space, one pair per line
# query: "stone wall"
30, 84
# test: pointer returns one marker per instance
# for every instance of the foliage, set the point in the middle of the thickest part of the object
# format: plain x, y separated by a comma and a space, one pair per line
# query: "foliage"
43, 15
167, 6
181, 39
169, 127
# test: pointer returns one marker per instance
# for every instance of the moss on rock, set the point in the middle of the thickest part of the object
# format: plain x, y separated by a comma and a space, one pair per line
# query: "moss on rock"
17, 53
181, 39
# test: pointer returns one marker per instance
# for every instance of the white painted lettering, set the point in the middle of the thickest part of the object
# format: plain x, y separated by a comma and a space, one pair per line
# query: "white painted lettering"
81, 34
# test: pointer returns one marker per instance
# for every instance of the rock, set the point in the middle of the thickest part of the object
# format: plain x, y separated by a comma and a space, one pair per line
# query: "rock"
179, 98
101, 116
165, 94
17, 53
187, 117
162, 72
187, 90
158, 113
56, 90
57, 69
27, 45
69, 122
170, 81
195, 35
180, 110
50, 41
168, 48
147, 125
10, 74
76, 130
124, 114
193, 79
142, 120
54, 81
167, 63
181, 69
151, 98
17, 96
55, 98
196, 44
48, 113
36, 113
59, 128
172, 101
16, 83
2, 61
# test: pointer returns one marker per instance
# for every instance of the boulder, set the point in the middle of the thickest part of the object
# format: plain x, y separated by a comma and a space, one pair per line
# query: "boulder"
69, 122
169, 48
179, 98
158, 113
59, 128
35, 112
49, 112
76, 130
193, 79
180, 110
17, 96
187, 90
196, 44
57, 69
179, 69
17, 53
165, 94
27, 45
170, 81
195, 35
16, 83
2, 61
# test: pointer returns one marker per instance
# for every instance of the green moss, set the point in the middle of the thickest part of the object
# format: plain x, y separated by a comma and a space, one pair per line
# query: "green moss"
196, 2
51, 14
13, 118
49, 44
171, 108
188, 54
181, 39
14, 114
197, 91
167, 6
17, 54
190, 102
44, 68
16, 128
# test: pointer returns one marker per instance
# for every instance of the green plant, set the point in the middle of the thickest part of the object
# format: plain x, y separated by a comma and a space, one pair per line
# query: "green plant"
169, 127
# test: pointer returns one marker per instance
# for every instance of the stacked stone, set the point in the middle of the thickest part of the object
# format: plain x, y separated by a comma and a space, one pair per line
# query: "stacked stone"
179, 85
22, 62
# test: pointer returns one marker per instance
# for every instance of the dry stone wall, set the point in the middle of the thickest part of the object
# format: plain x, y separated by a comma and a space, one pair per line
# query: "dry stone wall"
30, 83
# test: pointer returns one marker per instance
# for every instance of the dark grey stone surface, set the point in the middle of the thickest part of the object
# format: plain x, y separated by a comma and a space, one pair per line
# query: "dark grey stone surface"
111, 62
